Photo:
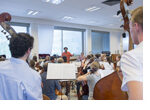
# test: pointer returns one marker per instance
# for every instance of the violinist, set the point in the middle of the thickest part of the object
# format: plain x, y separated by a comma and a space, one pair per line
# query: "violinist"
85, 66
81, 57
132, 61
91, 77
97, 57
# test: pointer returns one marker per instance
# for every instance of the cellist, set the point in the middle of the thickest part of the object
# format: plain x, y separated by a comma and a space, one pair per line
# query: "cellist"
132, 61
91, 77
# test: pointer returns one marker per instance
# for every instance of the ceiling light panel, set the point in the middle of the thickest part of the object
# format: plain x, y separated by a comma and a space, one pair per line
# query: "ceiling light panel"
56, 2
91, 9
32, 12
67, 18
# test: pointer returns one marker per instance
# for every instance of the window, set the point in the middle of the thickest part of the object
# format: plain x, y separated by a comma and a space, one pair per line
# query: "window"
100, 42
71, 38
20, 29
4, 43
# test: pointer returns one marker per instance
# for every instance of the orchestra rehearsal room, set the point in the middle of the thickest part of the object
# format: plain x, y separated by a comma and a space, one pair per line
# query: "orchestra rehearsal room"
71, 50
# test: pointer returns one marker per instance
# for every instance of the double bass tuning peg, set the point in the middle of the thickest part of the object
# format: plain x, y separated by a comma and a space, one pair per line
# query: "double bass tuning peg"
3, 32
118, 12
7, 37
121, 26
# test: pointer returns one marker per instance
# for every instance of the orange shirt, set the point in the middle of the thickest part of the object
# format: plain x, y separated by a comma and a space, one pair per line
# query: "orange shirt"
68, 55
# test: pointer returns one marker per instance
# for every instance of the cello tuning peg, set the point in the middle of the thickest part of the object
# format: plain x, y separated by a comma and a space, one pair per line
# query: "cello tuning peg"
118, 12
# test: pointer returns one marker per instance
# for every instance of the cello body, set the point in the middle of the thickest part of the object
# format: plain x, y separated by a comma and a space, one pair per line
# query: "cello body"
109, 88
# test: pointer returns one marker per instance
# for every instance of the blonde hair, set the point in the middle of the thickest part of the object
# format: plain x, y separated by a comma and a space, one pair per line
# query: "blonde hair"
60, 60
95, 65
137, 16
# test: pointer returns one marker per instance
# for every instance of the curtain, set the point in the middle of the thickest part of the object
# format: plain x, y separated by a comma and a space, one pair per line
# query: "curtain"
45, 38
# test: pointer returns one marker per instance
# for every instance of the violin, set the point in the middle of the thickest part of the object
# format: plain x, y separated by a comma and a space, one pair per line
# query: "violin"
126, 17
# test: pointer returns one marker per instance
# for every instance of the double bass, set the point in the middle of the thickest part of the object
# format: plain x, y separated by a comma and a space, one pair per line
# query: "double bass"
109, 87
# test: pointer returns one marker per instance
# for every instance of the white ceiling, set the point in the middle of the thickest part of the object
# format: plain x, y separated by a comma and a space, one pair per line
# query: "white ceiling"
74, 8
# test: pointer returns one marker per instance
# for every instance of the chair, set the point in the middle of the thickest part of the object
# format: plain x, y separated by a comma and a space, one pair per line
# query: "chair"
45, 97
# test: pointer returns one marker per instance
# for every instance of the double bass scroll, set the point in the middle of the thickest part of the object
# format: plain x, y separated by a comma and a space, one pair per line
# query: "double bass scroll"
6, 17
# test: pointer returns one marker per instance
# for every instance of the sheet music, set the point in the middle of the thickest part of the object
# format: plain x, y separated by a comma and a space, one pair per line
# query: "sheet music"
61, 71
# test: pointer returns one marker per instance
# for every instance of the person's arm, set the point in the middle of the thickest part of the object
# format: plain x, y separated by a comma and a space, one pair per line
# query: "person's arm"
132, 76
58, 87
83, 77
135, 90
70, 54
62, 54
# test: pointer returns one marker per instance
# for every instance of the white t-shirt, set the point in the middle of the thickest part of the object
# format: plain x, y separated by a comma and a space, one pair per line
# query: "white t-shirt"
118, 63
132, 66
105, 73
107, 66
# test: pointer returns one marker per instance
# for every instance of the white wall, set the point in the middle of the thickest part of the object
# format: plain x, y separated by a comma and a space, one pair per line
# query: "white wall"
115, 35
34, 33
116, 42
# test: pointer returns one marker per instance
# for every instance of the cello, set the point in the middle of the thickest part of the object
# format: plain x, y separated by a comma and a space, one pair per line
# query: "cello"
109, 87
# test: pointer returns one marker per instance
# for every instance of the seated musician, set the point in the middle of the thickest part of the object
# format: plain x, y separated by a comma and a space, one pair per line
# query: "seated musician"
104, 63
91, 77
132, 61
52, 59
68, 83
46, 60
81, 57
97, 57
34, 59
32, 64
64, 59
118, 57
2, 59
49, 85
86, 63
